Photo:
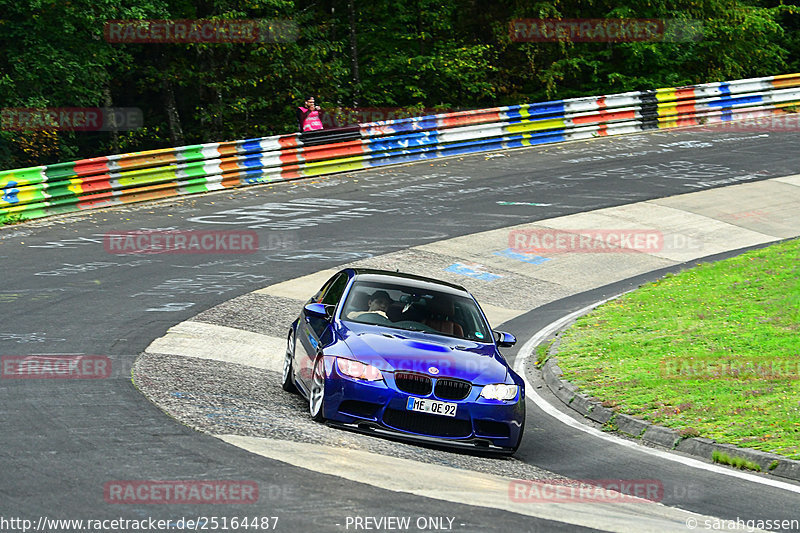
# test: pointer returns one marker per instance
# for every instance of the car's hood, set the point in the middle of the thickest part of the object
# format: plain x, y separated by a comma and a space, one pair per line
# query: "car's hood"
398, 350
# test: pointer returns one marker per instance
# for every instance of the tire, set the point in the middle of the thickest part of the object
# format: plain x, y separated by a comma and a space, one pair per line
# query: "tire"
514, 449
316, 398
287, 383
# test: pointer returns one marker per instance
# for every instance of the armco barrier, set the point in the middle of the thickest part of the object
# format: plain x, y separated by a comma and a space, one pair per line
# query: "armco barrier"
118, 179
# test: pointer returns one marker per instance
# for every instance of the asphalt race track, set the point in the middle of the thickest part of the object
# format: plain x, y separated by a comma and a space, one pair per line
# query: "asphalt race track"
63, 293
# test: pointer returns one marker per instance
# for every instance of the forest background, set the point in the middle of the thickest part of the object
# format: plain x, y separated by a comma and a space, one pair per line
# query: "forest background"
415, 55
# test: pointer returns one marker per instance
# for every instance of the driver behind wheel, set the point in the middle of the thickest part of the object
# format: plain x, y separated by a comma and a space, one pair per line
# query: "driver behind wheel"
378, 303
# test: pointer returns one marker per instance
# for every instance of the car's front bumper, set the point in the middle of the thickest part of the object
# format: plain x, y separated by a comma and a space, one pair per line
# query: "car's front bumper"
380, 408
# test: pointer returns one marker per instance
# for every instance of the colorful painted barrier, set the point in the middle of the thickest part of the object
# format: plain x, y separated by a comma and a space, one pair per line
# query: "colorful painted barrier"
119, 179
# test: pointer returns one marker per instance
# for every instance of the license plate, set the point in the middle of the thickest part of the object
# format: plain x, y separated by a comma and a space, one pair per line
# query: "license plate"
424, 405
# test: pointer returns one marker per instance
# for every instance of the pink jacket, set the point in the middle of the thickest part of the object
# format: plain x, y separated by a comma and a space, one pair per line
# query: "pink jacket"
312, 121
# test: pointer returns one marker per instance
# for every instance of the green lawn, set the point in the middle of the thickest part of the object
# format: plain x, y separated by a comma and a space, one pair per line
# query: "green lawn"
714, 351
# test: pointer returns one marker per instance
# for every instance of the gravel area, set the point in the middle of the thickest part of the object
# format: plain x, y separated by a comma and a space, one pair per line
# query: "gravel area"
258, 313
502, 292
271, 315
223, 398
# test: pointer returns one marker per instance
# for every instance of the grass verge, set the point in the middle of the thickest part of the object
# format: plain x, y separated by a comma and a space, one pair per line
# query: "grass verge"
737, 462
8, 220
714, 350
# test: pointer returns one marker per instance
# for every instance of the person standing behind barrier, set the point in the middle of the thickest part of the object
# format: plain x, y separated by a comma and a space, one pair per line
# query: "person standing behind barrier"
308, 115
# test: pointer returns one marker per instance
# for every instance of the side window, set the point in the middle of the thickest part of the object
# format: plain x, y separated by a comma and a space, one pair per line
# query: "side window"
335, 291
318, 297
331, 294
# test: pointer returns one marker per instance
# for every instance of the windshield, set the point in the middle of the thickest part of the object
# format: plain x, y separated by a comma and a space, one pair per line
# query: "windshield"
415, 309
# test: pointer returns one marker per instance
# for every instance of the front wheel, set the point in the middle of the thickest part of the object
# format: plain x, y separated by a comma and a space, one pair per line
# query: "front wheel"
316, 400
288, 374
521, 432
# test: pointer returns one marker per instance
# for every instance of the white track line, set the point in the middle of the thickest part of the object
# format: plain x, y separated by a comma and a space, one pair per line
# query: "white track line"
519, 366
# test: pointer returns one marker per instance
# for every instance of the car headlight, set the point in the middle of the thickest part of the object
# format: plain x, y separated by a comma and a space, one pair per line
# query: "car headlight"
357, 370
499, 391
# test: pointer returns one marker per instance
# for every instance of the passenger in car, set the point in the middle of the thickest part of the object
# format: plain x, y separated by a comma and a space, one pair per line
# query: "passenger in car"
440, 317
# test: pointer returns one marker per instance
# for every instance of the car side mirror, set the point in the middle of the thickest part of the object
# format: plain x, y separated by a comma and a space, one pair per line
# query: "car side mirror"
317, 310
504, 340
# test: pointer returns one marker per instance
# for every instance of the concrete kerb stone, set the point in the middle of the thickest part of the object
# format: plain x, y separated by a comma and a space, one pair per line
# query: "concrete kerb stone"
552, 374
566, 392
697, 446
570, 395
635, 427
662, 436
787, 468
600, 414
583, 404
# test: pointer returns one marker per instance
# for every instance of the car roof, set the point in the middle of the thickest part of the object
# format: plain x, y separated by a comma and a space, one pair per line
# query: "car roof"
411, 280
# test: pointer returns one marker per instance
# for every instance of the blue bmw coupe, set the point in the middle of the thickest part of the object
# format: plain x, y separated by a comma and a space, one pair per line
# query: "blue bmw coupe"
408, 357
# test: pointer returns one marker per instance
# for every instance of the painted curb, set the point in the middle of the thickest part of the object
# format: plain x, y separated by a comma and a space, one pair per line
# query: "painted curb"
703, 448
